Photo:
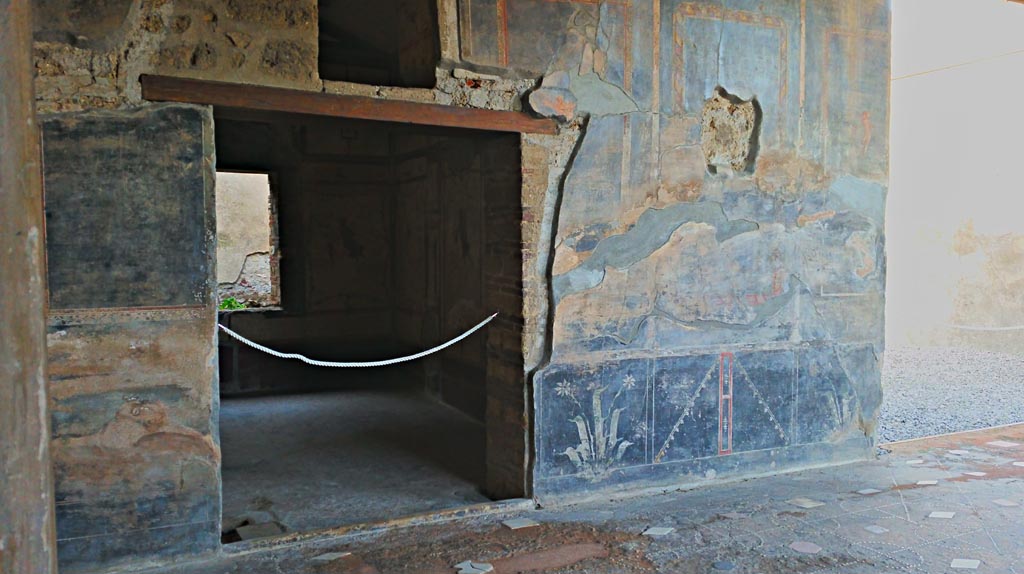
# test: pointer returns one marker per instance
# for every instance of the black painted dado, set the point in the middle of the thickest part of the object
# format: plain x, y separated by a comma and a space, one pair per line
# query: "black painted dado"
668, 419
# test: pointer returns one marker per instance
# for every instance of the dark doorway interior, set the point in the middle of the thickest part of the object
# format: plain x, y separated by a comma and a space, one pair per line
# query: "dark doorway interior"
392, 239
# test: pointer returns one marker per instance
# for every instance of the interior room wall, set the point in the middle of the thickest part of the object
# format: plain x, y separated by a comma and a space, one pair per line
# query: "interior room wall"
392, 240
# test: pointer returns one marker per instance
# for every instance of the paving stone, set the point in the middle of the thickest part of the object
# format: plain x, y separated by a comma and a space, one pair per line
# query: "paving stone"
965, 564
855, 528
805, 502
1003, 444
723, 565
804, 547
470, 567
942, 514
927, 482
868, 491
659, 531
518, 523
915, 461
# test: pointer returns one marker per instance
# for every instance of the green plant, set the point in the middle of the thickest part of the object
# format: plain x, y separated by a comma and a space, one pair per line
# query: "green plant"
231, 304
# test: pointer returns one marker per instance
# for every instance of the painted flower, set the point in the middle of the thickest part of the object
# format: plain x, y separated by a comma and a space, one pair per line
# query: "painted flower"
565, 389
629, 382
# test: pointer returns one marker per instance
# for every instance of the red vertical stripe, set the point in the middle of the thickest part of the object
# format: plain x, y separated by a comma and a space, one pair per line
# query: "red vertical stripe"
725, 386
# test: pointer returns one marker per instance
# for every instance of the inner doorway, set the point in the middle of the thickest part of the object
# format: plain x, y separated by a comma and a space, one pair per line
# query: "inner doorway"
389, 239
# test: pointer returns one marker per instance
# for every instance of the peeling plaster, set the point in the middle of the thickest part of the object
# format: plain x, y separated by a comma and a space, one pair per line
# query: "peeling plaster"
600, 98
652, 230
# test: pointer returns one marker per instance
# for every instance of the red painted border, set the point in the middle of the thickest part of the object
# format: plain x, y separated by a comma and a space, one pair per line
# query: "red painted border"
725, 390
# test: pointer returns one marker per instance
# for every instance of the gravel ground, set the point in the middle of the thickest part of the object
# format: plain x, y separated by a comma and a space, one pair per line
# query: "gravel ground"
931, 391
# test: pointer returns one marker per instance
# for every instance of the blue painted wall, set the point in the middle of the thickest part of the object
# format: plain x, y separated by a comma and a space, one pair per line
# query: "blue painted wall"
708, 325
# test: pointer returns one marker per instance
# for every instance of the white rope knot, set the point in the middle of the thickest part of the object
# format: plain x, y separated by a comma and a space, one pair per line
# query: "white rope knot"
384, 363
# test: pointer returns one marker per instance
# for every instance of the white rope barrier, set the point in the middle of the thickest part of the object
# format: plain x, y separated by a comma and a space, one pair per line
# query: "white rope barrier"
384, 363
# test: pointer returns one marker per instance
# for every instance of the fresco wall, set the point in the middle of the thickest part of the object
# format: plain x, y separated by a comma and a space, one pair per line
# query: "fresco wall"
132, 365
716, 312
702, 245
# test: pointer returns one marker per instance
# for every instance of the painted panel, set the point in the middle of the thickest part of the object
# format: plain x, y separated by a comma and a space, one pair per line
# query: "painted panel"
347, 226
596, 419
135, 455
124, 198
134, 449
733, 411
756, 297
710, 405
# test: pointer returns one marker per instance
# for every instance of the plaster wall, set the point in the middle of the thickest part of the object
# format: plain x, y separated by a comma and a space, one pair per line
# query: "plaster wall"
130, 337
706, 325
27, 530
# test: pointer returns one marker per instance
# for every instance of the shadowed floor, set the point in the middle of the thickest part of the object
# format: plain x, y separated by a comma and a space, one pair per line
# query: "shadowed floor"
322, 460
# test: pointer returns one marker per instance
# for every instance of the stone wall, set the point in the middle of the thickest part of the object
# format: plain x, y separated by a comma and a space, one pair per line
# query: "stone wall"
89, 55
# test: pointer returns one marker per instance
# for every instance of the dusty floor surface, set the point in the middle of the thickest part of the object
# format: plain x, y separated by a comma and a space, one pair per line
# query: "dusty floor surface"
932, 390
322, 460
749, 526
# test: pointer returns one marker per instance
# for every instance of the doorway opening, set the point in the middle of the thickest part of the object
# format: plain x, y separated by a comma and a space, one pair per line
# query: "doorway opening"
247, 263
391, 239
954, 356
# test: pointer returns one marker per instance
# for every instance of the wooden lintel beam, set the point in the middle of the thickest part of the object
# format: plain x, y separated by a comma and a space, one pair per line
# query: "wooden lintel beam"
206, 92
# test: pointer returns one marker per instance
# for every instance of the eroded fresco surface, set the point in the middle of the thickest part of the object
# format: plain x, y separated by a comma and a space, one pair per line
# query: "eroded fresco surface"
130, 336
707, 320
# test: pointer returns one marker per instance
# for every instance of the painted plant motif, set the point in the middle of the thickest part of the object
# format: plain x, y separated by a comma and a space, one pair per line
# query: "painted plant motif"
601, 447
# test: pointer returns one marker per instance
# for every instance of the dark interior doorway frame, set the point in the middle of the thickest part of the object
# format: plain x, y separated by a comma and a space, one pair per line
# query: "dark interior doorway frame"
506, 478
